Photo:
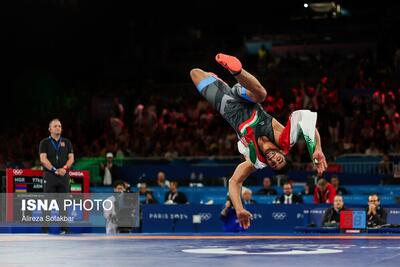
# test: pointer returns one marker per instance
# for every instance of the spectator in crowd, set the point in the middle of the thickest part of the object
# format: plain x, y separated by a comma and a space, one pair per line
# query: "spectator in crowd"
150, 198
396, 120
288, 196
396, 59
3, 164
334, 124
308, 190
372, 149
267, 189
145, 195
127, 186
347, 144
143, 189
385, 165
110, 214
173, 196
376, 215
332, 215
109, 171
247, 196
161, 181
117, 117
361, 120
336, 183
324, 192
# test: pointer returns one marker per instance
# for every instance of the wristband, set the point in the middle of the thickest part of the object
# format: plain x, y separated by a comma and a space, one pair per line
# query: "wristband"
53, 170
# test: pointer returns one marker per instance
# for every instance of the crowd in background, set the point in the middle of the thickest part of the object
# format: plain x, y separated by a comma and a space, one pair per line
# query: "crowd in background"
357, 99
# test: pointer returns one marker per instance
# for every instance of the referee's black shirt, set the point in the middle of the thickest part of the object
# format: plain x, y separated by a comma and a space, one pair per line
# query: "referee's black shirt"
57, 151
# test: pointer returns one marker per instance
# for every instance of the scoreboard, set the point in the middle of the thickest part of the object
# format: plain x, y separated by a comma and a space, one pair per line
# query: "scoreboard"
31, 181
353, 220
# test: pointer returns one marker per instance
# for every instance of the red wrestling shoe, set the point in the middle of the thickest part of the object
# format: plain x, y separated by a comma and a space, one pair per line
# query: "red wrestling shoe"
230, 63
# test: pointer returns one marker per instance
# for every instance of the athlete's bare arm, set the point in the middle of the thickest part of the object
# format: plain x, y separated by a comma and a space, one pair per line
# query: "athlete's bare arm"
243, 170
277, 127
318, 156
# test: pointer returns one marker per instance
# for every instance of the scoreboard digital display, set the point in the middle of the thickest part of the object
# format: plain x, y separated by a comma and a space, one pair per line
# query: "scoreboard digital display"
353, 219
31, 181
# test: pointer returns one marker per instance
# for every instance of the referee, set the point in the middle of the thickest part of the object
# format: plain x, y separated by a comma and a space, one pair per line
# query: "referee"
57, 157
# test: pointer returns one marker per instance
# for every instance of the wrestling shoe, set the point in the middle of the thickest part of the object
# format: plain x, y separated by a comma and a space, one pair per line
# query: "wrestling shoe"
230, 63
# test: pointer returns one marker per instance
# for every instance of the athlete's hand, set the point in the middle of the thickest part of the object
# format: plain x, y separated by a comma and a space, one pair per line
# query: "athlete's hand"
61, 171
244, 218
319, 161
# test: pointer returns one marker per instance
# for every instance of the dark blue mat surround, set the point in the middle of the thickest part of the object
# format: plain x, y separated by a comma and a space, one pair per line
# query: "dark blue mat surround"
199, 250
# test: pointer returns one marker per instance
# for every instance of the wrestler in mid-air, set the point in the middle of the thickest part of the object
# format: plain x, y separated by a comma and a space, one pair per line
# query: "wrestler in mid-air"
262, 139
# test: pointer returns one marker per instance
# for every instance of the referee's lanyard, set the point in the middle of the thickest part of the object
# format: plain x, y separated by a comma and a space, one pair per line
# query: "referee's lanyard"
56, 146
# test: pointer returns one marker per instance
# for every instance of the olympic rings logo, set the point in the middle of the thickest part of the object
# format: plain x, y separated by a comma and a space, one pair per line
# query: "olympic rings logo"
18, 171
205, 216
279, 216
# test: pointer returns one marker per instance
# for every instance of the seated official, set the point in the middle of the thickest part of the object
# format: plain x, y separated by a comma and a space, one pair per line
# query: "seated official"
267, 189
150, 198
247, 196
308, 190
145, 195
173, 196
332, 215
340, 190
161, 180
288, 196
376, 215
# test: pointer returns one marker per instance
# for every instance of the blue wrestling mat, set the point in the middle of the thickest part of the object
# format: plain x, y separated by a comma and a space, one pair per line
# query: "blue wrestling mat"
199, 250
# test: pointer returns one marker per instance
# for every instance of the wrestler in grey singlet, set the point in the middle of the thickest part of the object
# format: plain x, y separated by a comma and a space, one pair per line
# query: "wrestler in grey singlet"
235, 106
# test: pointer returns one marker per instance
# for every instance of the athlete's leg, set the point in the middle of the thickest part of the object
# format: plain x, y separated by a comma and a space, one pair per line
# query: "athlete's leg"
198, 75
254, 89
216, 91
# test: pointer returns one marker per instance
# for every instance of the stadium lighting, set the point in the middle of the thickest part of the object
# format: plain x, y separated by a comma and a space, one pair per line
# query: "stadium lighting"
305, 5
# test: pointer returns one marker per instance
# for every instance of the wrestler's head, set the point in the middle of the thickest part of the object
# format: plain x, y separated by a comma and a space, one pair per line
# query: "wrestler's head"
276, 159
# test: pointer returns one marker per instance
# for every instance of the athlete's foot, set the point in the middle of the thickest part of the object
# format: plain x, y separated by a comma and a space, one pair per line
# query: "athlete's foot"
230, 63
